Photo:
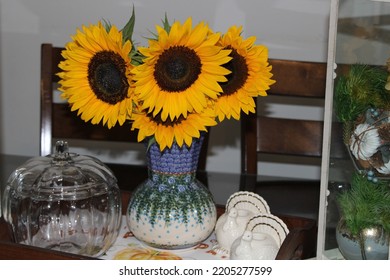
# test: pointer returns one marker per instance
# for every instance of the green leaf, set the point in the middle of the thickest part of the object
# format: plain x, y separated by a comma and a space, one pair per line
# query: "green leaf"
128, 30
136, 57
166, 25
107, 25
151, 141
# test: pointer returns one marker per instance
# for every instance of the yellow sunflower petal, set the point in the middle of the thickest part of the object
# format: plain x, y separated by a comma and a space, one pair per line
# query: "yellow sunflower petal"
251, 79
178, 131
95, 102
165, 91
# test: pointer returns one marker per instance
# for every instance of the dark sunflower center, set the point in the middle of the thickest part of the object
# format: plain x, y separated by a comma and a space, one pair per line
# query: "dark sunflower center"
238, 76
168, 122
177, 69
107, 77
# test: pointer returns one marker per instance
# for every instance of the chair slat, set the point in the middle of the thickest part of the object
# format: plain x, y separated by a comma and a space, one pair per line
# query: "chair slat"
298, 78
66, 124
289, 136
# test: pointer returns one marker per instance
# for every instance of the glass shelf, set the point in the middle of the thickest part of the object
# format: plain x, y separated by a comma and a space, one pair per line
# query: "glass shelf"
359, 33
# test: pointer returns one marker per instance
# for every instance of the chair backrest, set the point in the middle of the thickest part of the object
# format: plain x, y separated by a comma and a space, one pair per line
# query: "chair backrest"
271, 135
59, 122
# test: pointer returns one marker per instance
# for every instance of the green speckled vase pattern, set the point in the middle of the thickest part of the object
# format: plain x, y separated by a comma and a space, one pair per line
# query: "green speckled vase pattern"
172, 209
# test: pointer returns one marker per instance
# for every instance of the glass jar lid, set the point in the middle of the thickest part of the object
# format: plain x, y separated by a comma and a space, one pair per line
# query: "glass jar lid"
62, 176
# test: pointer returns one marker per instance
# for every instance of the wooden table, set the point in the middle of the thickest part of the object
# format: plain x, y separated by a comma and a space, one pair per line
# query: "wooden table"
299, 244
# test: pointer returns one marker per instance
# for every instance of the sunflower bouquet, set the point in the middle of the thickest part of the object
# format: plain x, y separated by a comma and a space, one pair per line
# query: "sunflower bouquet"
187, 78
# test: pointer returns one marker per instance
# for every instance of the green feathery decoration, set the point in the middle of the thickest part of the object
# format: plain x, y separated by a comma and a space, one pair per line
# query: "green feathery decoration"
363, 87
366, 204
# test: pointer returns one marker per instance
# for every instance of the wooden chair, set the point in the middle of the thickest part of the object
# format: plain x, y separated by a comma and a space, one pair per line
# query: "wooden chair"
261, 135
59, 122
265, 135
295, 140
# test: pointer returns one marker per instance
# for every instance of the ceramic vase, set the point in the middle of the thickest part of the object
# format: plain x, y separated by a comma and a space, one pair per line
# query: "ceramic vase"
370, 244
172, 209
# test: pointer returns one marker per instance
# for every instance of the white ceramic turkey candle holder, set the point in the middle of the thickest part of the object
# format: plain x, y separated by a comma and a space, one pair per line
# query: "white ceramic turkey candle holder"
261, 240
240, 208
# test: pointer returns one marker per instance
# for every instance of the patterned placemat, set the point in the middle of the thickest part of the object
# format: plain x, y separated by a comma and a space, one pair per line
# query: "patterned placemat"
127, 247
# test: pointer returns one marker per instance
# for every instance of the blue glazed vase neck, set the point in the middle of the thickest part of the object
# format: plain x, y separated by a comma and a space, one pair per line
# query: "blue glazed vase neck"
176, 160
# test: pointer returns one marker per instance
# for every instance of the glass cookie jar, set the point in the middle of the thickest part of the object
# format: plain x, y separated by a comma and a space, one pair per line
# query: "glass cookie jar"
65, 201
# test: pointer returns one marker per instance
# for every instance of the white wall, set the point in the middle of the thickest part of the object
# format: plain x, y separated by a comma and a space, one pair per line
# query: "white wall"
295, 29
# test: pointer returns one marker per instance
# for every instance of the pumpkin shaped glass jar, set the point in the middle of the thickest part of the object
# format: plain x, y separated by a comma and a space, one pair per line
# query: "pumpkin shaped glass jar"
65, 201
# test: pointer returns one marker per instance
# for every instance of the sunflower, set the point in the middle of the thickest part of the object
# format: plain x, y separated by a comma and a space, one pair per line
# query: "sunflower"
250, 75
181, 71
180, 130
96, 75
